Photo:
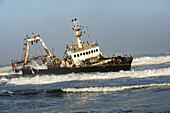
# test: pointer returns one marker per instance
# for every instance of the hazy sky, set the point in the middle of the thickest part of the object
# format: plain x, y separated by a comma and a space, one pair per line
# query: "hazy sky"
123, 26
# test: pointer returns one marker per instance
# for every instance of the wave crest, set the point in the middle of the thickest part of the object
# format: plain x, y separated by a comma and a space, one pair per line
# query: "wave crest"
110, 89
150, 60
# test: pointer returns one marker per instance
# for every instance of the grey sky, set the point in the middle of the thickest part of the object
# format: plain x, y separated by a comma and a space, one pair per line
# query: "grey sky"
128, 26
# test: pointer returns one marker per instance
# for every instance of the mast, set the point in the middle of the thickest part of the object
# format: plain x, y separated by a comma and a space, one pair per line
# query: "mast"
26, 52
78, 33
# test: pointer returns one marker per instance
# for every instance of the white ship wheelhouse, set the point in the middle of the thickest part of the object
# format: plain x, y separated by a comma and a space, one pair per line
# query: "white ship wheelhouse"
84, 54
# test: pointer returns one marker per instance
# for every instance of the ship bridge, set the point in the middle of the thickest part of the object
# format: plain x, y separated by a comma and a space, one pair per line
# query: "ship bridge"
85, 53
82, 52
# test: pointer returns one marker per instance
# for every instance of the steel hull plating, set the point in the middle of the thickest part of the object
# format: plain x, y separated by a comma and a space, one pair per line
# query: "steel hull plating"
65, 70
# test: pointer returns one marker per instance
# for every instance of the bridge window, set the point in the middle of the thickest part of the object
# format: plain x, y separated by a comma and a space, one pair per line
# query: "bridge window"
84, 53
80, 54
74, 55
77, 55
91, 51
96, 50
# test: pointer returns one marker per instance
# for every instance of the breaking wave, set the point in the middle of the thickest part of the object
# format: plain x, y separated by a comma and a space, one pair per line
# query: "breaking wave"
110, 89
167, 53
150, 60
78, 90
47, 79
7, 71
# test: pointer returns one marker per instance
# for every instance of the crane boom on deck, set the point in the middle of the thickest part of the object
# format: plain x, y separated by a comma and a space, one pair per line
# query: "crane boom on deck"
27, 59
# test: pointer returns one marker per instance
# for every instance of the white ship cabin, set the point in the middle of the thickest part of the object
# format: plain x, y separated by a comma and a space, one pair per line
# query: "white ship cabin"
82, 52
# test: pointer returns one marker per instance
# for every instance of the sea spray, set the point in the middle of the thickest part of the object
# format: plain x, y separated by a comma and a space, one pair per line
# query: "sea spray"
47, 79
150, 60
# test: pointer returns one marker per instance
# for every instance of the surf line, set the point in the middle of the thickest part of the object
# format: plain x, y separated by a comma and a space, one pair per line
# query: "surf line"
109, 89
149, 63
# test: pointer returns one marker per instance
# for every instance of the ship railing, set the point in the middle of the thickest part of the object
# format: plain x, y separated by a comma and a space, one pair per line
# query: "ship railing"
21, 60
110, 55
84, 47
18, 60
38, 55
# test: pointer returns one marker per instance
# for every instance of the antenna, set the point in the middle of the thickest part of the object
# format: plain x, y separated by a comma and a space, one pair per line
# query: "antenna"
33, 34
66, 43
88, 34
53, 51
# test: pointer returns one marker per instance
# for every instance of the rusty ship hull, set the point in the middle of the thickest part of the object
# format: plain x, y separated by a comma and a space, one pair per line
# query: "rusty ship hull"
65, 70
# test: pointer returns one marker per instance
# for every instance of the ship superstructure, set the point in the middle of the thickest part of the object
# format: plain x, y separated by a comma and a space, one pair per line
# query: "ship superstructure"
82, 53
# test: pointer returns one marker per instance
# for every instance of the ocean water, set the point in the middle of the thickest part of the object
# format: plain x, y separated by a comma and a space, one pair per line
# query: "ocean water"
145, 88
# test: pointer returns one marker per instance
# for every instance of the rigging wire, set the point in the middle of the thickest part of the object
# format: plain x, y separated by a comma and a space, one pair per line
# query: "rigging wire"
35, 47
40, 49
23, 51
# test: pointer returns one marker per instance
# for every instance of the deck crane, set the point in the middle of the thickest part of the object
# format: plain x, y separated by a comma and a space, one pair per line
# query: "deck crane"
27, 59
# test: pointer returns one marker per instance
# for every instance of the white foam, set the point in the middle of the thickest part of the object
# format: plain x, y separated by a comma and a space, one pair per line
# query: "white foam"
47, 79
150, 60
110, 89
3, 80
35, 65
7, 71
167, 53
